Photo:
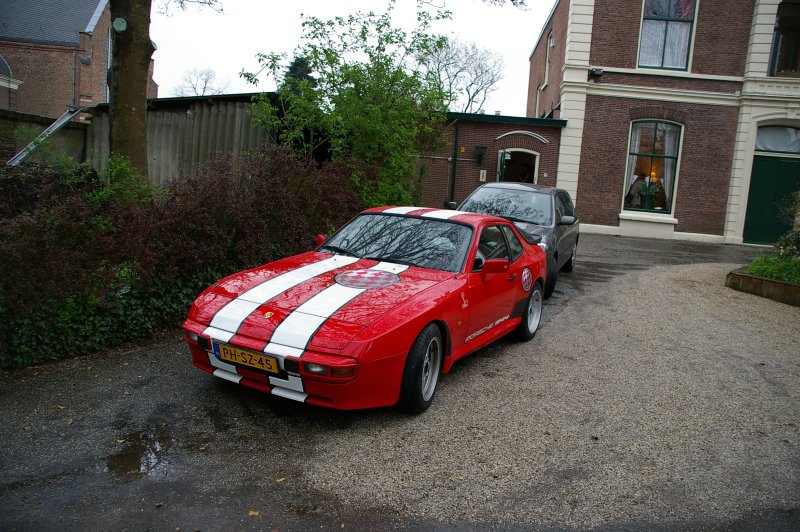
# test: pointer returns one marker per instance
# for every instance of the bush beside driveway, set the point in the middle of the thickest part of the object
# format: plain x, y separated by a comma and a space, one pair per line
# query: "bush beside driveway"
653, 396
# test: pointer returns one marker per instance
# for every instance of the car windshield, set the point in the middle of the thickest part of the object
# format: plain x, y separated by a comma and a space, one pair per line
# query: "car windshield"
516, 205
423, 242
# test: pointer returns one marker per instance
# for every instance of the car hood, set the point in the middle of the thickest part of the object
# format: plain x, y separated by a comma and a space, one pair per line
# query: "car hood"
310, 300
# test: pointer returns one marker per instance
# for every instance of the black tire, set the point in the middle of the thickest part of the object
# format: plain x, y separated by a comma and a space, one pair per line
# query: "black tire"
532, 316
570, 264
550, 282
421, 372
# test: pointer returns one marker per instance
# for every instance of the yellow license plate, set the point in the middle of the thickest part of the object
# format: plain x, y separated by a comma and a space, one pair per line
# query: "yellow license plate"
234, 355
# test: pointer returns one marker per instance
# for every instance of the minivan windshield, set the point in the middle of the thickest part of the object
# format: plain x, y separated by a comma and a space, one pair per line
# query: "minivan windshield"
516, 205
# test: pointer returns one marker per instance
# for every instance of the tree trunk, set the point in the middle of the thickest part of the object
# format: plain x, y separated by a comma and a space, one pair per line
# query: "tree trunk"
129, 76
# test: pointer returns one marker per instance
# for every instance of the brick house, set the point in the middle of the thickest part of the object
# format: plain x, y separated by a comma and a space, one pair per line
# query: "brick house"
682, 116
55, 54
483, 147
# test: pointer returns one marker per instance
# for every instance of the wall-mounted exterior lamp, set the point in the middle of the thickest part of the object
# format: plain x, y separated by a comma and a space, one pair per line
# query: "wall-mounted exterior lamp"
119, 24
480, 151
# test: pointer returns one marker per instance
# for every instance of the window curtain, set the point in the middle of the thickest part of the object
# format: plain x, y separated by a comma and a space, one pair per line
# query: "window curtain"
677, 44
778, 139
636, 137
670, 148
652, 48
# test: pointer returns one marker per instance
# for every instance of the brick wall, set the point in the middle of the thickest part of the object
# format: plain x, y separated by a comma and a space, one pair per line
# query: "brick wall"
551, 95
46, 73
721, 36
436, 185
705, 160
54, 77
615, 33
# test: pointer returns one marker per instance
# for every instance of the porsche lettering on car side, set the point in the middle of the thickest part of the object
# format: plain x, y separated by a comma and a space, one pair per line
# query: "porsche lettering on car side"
376, 313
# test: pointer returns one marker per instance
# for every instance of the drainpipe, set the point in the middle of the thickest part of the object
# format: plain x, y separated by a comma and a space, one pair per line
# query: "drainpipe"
74, 79
453, 162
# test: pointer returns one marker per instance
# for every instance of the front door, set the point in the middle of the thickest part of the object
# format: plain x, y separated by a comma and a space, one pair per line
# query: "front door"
773, 180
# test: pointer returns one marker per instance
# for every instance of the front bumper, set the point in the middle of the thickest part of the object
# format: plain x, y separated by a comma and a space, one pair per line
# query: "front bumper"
376, 382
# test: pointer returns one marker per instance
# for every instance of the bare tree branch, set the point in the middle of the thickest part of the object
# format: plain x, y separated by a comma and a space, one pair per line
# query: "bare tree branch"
197, 82
465, 72
165, 5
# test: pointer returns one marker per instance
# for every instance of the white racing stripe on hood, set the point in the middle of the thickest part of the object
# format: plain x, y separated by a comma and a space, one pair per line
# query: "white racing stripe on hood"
230, 317
442, 214
296, 330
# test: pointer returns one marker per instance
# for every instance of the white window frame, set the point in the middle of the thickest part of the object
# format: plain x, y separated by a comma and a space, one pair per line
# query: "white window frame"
651, 215
692, 39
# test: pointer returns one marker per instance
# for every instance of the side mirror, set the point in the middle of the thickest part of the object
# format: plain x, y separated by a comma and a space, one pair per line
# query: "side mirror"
566, 220
452, 205
478, 264
495, 266
321, 239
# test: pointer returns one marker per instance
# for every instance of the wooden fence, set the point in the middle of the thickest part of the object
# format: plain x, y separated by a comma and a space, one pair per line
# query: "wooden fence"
181, 133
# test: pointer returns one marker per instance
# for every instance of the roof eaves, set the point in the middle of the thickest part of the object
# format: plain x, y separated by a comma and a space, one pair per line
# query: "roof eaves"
500, 119
98, 12
544, 27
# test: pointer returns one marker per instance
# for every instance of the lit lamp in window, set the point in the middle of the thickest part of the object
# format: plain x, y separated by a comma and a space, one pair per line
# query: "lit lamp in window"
480, 151
657, 193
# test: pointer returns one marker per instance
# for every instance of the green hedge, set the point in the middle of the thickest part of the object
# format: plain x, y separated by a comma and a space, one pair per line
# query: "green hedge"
780, 268
88, 261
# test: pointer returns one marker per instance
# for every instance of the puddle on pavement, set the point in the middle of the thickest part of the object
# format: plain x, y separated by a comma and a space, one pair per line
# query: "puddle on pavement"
143, 454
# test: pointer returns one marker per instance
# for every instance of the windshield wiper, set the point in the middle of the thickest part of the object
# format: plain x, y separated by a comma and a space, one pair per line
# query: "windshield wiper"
337, 249
515, 219
391, 259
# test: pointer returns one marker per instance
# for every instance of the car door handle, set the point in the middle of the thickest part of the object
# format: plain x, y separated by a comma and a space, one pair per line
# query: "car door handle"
512, 277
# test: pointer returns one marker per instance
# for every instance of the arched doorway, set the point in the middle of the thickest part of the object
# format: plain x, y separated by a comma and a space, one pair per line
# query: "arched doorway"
775, 176
518, 165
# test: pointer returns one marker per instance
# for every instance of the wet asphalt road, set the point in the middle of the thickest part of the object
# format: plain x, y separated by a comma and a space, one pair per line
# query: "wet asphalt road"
652, 397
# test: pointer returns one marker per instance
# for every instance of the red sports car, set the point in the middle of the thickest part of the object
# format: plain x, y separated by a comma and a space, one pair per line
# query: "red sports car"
376, 313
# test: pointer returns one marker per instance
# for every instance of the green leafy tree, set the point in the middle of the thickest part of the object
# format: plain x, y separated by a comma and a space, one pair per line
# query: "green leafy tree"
370, 99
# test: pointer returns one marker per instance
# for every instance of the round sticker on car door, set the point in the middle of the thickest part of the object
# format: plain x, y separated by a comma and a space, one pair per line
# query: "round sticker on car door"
527, 279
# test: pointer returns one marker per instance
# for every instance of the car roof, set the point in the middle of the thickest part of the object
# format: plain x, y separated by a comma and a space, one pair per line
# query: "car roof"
508, 185
470, 218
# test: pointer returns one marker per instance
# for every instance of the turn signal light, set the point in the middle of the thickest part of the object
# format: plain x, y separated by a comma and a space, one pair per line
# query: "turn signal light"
202, 341
344, 372
329, 371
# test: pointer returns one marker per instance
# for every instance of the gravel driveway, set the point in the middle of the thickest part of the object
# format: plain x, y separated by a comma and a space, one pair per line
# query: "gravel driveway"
652, 397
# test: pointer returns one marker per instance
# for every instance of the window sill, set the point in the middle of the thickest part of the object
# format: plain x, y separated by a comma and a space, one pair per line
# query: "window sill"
648, 217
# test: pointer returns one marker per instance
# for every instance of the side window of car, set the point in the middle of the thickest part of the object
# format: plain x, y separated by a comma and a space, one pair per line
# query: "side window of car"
491, 245
561, 209
514, 245
569, 207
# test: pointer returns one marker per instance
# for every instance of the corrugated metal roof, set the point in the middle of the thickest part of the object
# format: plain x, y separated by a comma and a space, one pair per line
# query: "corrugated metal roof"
47, 21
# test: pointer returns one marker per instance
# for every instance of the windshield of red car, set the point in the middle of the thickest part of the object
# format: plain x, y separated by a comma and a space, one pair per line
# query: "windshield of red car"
423, 242
517, 205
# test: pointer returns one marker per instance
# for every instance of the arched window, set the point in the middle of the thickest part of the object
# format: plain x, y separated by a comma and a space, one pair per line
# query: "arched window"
779, 139
652, 166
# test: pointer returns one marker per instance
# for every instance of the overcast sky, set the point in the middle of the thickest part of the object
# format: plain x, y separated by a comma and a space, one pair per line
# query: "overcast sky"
226, 43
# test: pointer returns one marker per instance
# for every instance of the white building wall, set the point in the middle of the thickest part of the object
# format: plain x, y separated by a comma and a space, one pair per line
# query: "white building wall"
764, 101
573, 93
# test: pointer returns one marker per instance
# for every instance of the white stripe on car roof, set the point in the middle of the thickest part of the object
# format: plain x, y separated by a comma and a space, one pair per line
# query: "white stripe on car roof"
402, 210
443, 214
